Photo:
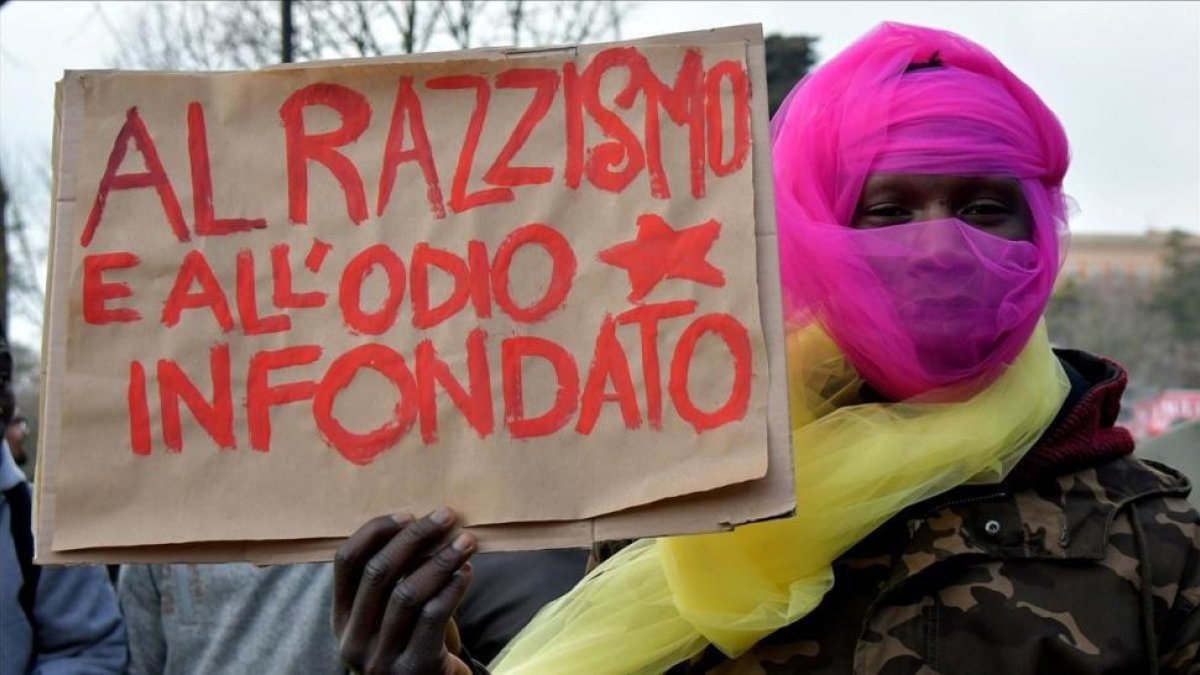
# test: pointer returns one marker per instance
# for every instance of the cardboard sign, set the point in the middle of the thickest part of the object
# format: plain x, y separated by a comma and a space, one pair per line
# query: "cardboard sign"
540, 287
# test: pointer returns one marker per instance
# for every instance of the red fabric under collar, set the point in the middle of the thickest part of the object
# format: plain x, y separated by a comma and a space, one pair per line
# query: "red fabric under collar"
1083, 435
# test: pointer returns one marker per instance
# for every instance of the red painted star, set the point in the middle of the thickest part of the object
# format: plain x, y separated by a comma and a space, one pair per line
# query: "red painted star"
660, 252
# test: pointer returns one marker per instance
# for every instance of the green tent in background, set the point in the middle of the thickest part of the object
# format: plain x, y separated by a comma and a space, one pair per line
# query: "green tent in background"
1178, 448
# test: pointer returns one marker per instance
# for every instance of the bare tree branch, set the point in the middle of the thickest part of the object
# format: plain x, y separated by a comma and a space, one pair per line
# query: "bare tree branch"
366, 27
243, 34
459, 20
516, 17
24, 289
405, 23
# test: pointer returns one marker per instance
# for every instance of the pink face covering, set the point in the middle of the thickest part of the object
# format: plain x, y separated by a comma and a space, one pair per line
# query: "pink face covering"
937, 297
923, 306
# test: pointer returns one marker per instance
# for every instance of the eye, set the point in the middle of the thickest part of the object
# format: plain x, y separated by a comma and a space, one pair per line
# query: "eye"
886, 211
986, 206
986, 211
883, 214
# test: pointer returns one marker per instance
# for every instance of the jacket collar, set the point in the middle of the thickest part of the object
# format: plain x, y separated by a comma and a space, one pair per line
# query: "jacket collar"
1062, 498
1083, 433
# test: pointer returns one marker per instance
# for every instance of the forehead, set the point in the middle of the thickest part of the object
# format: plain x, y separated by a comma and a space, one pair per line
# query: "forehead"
937, 183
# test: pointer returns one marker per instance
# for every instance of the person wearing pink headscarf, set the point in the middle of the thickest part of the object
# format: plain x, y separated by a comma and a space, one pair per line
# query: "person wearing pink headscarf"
922, 223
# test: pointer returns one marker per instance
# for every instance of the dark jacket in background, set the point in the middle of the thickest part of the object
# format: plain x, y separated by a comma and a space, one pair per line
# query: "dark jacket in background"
507, 589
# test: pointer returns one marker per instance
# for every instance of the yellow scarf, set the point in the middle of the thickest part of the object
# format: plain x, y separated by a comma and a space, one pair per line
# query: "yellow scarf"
661, 601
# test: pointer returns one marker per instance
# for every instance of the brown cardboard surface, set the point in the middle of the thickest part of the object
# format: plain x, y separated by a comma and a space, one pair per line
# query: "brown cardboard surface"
117, 506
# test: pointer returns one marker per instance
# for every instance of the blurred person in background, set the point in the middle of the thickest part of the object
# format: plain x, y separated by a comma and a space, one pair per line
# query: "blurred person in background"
239, 618
53, 620
15, 434
228, 618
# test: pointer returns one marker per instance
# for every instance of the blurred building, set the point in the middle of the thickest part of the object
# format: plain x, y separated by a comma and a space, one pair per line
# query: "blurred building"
1179, 449
1117, 258
1104, 287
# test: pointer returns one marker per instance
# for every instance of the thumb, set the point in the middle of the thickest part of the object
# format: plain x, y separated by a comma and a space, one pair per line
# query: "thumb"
454, 665
453, 639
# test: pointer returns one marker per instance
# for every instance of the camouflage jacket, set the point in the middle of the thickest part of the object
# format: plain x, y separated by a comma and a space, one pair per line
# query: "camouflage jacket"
1084, 561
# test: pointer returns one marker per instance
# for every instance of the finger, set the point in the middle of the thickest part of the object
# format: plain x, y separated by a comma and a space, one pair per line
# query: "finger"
426, 651
381, 572
453, 639
410, 595
457, 666
352, 556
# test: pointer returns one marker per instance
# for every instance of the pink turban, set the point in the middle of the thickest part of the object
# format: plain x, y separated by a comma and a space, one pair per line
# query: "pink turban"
921, 306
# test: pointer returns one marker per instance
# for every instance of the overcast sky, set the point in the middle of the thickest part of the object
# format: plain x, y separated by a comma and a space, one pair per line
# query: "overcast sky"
1124, 78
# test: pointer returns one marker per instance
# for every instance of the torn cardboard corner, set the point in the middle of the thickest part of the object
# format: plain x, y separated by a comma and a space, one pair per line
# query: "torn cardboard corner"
283, 302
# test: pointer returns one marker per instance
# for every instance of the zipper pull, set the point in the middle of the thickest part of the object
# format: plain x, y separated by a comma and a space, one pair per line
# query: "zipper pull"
914, 526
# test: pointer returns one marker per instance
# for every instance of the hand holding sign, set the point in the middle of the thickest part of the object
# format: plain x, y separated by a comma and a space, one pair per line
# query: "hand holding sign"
396, 584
